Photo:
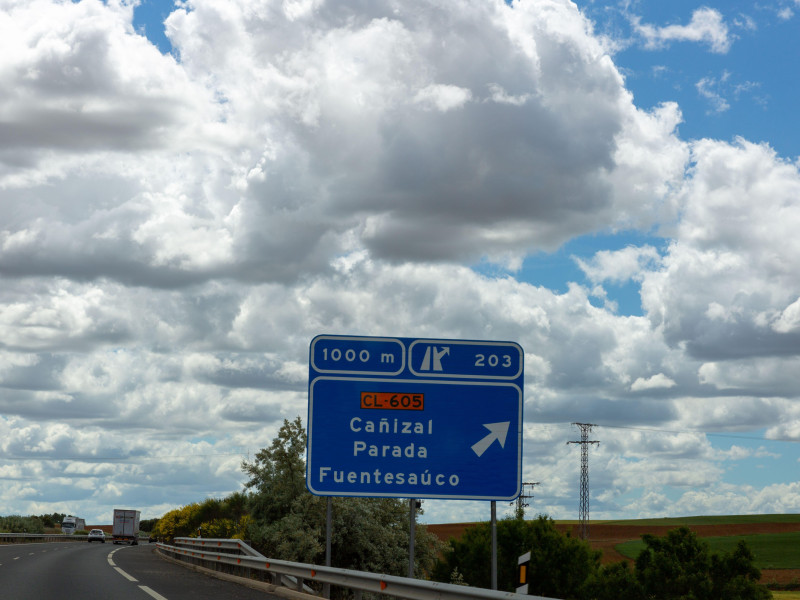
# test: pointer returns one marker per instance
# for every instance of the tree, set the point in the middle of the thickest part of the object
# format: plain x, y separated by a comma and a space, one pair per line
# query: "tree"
675, 566
560, 564
615, 581
147, 525
733, 575
51, 520
277, 475
369, 534
181, 522
679, 566
226, 518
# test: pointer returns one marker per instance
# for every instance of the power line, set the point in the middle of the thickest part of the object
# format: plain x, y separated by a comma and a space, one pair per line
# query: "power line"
553, 426
706, 433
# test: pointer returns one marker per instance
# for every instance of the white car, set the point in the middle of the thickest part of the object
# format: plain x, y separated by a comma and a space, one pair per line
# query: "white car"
96, 535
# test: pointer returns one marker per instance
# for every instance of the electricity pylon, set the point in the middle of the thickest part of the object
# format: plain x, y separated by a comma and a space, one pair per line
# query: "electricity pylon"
520, 501
583, 512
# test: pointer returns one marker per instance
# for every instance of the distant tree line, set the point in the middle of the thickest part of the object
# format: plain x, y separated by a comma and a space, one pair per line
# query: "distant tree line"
31, 523
147, 525
19, 524
16, 524
677, 566
51, 520
281, 519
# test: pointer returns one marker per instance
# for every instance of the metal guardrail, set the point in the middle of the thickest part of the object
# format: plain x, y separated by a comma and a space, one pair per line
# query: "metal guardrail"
41, 537
211, 552
219, 544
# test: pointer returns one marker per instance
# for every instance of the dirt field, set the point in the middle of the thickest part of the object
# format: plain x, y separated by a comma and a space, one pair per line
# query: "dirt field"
604, 537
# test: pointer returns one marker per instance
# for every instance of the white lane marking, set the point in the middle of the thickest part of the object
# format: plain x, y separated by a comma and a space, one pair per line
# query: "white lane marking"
125, 575
16, 558
144, 588
110, 559
154, 594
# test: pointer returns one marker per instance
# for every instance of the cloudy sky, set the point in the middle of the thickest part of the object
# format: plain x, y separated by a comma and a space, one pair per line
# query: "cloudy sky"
191, 191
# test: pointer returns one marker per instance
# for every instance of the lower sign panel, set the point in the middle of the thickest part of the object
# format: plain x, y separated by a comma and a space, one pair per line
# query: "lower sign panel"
414, 439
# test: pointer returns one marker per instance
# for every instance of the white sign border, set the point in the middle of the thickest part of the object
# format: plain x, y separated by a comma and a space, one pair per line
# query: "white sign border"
408, 494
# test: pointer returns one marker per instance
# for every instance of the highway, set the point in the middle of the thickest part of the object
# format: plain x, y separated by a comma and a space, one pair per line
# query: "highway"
75, 570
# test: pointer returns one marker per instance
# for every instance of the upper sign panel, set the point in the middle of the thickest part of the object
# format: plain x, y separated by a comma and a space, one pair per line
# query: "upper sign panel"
446, 359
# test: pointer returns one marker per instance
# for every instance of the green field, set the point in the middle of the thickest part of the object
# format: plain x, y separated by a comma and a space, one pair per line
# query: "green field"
771, 551
710, 520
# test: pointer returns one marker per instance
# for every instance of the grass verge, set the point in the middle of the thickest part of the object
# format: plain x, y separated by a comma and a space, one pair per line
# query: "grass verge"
709, 520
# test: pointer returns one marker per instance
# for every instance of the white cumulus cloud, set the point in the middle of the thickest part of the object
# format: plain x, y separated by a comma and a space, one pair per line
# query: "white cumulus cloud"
706, 25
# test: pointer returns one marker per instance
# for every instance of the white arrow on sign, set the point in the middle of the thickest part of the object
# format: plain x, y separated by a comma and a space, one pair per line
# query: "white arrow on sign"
499, 431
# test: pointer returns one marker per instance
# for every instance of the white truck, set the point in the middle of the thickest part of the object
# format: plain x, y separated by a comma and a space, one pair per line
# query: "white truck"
72, 524
125, 527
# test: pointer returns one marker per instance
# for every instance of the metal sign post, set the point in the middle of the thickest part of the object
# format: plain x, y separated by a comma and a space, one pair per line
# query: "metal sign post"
412, 524
494, 545
326, 587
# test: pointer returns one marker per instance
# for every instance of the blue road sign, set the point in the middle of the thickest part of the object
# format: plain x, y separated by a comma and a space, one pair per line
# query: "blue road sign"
414, 418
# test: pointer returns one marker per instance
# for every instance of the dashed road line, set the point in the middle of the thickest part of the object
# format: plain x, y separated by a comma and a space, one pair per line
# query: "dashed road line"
154, 594
125, 575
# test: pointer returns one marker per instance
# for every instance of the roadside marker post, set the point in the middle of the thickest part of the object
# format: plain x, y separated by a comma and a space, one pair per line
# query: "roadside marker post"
524, 563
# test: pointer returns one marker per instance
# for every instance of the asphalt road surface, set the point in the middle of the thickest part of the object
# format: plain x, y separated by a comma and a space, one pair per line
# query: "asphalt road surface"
77, 570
